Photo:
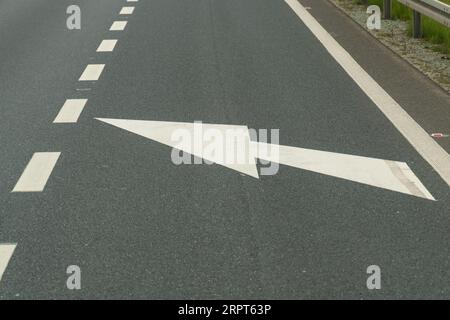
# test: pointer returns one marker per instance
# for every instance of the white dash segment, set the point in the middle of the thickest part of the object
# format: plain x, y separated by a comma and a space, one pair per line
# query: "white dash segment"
37, 172
127, 10
107, 45
132, 0
6, 252
70, 111
118, 26
92, 72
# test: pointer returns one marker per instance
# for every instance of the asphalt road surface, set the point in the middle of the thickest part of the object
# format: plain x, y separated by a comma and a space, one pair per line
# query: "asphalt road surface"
76, 191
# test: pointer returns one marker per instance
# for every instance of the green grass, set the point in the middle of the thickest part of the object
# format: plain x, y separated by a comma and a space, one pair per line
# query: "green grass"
434, 32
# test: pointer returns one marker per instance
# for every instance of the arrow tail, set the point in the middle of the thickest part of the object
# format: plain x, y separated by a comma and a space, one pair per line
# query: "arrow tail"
386, 174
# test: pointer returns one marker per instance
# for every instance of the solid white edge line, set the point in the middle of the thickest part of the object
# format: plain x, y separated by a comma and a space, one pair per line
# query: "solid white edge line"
37, 172
429, 149
6, 252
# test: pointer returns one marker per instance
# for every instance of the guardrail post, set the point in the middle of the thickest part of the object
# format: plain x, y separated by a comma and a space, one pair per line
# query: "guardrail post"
387, 9
417, 24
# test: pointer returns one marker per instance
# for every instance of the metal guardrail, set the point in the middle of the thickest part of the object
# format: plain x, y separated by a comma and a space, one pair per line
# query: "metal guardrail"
433, 9
438, 5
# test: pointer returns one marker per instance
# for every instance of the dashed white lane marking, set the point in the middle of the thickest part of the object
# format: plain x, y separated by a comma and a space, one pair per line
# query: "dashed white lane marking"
92, 72
127, 10
107, 45
118, 26
70, 111
36, 174
437, 157
132, 0
6, 252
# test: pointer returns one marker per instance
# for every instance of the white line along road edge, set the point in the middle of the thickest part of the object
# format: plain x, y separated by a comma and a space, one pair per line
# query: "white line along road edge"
6, 252
429, 149
36, 174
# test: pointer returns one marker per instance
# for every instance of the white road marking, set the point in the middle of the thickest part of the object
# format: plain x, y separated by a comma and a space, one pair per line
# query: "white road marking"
92, 72
6, 252
162, 132
132, 0
127, 10
70, 111
107, 45
118, 26
386, 174
437, 157
36, 174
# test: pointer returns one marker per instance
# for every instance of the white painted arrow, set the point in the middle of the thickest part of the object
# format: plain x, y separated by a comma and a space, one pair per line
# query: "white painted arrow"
386, 174
162, 132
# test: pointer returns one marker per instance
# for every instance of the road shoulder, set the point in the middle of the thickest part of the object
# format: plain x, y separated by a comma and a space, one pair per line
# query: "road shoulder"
401, 80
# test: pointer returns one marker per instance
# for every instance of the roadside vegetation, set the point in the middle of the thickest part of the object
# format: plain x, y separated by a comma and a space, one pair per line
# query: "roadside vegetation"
434, 32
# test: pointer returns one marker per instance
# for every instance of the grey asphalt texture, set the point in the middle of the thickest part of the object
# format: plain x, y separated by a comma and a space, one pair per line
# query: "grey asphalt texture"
141, 227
